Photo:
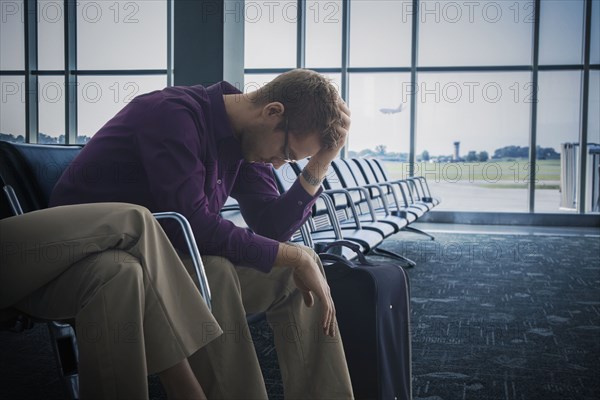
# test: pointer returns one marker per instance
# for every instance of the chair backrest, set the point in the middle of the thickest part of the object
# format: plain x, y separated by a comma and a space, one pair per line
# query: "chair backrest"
375, 167
357, 173
383, 173
346, 179
344, 173
361, 177
364, 166
33, 170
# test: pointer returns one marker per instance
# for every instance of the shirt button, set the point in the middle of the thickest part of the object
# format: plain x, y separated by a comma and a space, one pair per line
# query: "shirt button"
300, 203
219, 181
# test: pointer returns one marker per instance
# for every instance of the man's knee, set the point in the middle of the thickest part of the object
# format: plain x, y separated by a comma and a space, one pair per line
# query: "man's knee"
133, 212
309, 251
219, 268
109, 269
109, 264
220, 272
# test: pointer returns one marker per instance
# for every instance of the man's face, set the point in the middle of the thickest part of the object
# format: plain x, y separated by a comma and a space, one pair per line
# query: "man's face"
277, 145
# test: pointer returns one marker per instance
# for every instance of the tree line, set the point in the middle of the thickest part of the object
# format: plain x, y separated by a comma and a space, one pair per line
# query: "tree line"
542, 153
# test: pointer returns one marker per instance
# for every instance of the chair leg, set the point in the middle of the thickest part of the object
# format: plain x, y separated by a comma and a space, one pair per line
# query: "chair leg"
418, 231
64, 345
387, 253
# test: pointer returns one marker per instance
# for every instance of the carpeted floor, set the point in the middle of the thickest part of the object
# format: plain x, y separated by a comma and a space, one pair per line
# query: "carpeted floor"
493, 317
505, 317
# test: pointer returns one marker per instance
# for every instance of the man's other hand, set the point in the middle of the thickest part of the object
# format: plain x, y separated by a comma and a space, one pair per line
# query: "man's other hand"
310, 281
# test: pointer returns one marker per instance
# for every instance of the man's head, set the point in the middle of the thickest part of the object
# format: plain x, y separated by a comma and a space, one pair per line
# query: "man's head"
310, 101
292, 117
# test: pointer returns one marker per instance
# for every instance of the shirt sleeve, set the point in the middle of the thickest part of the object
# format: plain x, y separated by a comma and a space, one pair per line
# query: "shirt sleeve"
170, 149
266, 211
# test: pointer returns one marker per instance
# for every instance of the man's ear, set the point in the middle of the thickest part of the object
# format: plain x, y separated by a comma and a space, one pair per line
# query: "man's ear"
273, 109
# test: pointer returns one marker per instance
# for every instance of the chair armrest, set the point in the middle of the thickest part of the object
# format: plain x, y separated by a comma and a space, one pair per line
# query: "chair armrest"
305, 233
378, 187
332, 215
193, 249
13, 200
367, 197
392, 190
351, 204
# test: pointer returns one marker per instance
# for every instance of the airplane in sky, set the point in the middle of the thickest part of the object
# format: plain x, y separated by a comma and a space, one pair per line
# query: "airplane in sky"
392, 110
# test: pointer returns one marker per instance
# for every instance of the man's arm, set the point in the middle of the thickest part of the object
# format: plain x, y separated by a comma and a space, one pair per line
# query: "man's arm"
279, 216
266, 211
170, 149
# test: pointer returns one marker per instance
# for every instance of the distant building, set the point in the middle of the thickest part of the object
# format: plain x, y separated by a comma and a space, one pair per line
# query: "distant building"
456, 155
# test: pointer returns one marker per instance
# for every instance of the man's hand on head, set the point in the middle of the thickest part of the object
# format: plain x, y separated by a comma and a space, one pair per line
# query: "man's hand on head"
317, 167
325, 155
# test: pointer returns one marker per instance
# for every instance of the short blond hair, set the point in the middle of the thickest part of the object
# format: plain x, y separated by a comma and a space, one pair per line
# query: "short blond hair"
311, 103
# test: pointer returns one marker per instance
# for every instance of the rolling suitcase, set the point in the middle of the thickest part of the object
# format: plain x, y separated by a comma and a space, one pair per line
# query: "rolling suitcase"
372, 308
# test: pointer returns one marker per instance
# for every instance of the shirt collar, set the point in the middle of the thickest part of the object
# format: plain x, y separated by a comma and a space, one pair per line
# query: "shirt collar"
222, 128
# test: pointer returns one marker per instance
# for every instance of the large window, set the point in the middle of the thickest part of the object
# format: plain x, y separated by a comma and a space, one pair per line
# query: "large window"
375, 124
12, 112
558, 122
467, 87
463, 132
270, 28
475, 33
70, 78
380, 33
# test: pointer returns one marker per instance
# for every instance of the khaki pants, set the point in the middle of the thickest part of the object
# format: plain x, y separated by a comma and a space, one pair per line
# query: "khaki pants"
111, 267
313, 366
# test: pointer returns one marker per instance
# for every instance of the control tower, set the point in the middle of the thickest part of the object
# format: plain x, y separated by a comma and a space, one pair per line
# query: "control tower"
456, 155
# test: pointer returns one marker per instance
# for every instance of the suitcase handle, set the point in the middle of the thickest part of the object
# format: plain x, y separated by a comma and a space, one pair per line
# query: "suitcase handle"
362, 260
339, 243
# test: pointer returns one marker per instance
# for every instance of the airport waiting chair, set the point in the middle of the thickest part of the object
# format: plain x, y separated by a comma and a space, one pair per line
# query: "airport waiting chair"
28, 174
396, 203
323, 224
424, 193
347, 201
396, 192
368, 234
389, 190
389, 211
411, 201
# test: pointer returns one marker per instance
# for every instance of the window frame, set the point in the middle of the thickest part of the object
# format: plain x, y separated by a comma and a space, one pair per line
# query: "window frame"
534, 67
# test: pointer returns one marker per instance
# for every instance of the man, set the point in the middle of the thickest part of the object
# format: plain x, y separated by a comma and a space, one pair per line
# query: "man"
112, 269
188, 149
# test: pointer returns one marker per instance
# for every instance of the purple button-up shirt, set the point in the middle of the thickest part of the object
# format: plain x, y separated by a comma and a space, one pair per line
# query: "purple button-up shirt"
174, 150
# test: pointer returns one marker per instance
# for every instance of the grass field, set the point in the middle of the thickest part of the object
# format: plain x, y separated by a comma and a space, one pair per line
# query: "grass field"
490, 174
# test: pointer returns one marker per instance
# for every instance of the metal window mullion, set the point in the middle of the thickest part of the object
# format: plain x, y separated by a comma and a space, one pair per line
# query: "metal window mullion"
120, 72
170, 43
345, 60
533, 121
301, 35
584, 110
31, 79
413, 82
70, 71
